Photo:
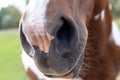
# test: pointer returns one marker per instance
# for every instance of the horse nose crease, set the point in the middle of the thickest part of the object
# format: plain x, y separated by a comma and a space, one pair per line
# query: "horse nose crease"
41, 37
46, 39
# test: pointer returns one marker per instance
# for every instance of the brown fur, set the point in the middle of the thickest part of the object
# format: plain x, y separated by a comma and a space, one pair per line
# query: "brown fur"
31, 75
102, 56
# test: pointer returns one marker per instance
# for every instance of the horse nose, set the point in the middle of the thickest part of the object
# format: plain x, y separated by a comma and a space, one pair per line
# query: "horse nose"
37, 34
66, 35
63, 31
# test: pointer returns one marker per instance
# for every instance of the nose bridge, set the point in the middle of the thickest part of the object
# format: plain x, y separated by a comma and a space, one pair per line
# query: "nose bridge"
36, 32
37, 8
38, 35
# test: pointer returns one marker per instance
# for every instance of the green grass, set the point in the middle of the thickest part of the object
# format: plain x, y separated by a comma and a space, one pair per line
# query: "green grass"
118, 22
10, 56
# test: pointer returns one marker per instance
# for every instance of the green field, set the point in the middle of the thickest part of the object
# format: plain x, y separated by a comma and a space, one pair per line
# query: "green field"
10, 56
118, 22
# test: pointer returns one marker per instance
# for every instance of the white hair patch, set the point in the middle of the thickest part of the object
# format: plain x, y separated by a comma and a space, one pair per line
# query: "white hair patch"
116, 33
101, 15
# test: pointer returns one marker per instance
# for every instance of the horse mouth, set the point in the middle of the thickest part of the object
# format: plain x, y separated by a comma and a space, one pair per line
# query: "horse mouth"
71, 74
53, 69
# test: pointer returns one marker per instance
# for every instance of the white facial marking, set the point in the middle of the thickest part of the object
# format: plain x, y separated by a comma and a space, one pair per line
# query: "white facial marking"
110, 6
97, 17
116, 33
37, 10
100, 15
39, 6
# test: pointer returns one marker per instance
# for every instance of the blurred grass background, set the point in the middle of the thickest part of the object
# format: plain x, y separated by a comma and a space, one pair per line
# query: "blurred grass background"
118, 22
10, 48
10, 56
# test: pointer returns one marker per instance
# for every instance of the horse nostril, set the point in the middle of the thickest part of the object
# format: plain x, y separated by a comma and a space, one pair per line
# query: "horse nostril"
35, 47
66, 36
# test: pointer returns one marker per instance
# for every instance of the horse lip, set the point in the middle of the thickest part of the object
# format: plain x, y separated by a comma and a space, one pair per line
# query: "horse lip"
73, 72
68, 75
